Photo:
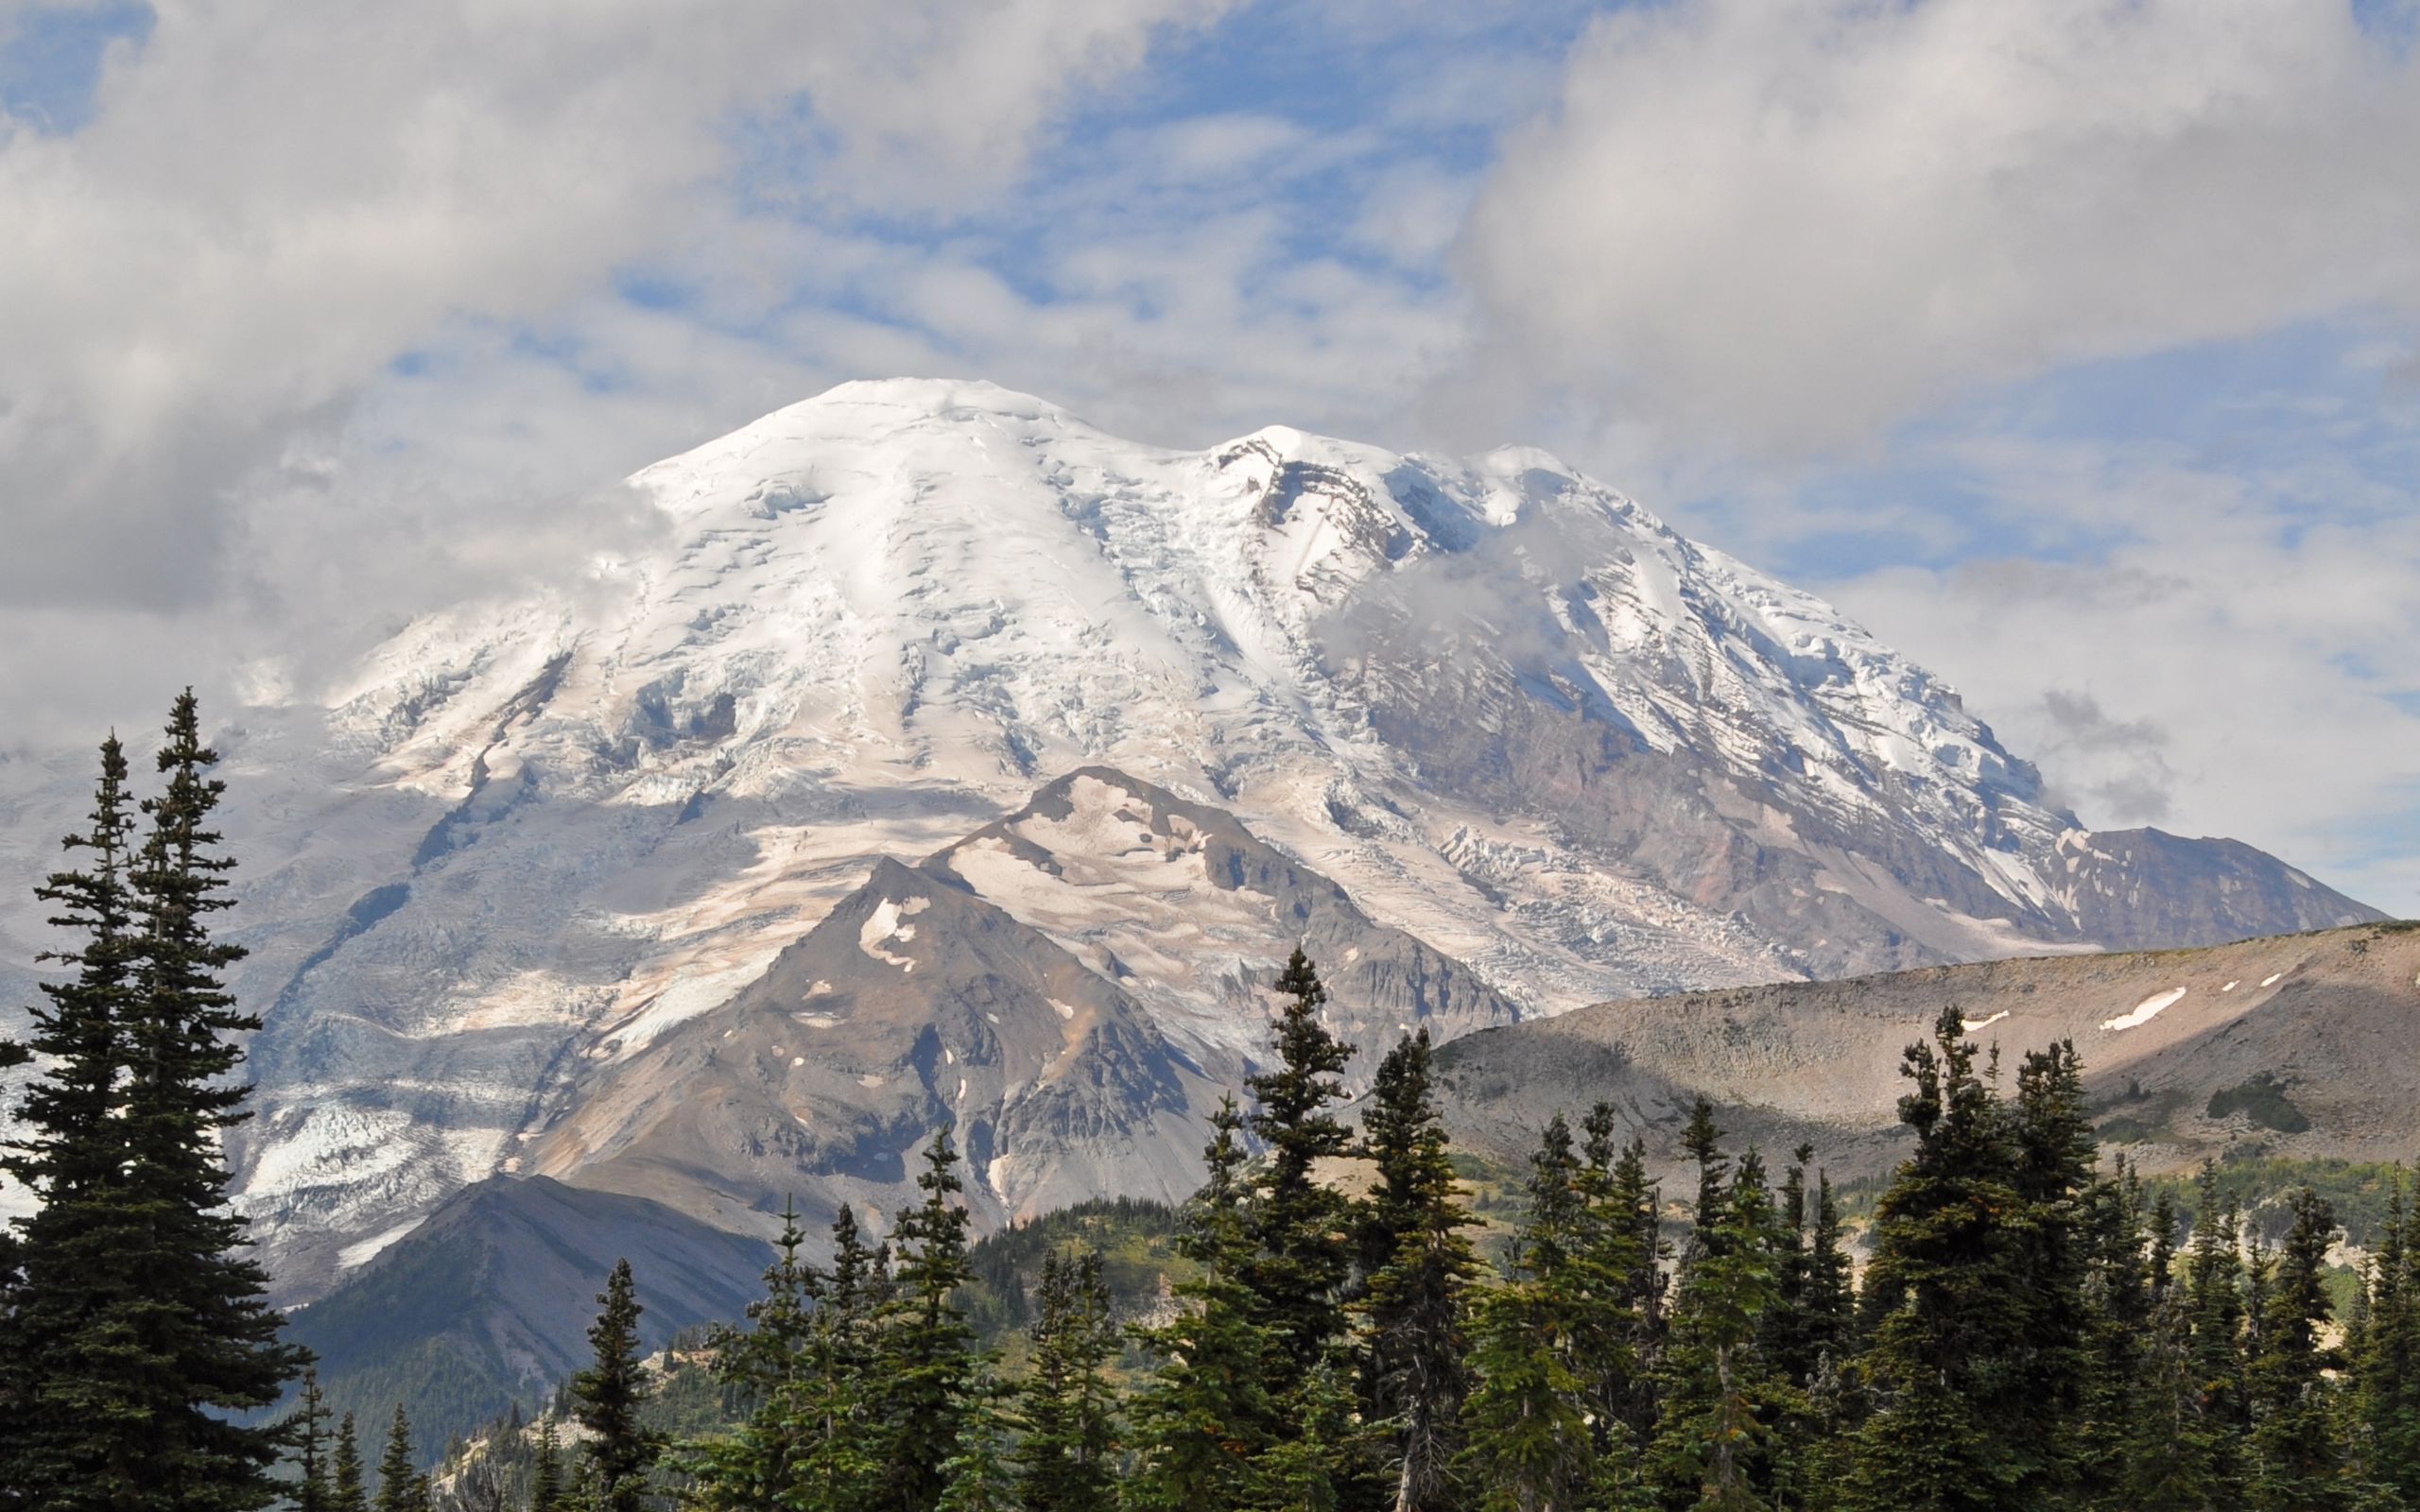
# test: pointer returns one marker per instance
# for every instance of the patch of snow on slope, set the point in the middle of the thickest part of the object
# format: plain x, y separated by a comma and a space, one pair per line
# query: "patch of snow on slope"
1985, 1023
2148, 1010
353, 1256
887, 922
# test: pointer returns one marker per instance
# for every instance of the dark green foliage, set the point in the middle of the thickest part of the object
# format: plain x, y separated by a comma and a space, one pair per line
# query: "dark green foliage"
137, 1336
401, 1486
2385, 1358
1531, 1448
1297, 1224
1064, 1460
1815, 1296
1420, 1269
547, 1471
1134, 1237
308, 1436
766, 1367
1202, 1422
977, 1477
606, 1398
347, 1492
1702, 1141
2298, 1464
1946, 1300
925, 1355
1730, 1416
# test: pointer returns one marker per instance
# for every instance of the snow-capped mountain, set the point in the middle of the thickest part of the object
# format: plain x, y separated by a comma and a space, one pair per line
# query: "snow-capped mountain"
506, 874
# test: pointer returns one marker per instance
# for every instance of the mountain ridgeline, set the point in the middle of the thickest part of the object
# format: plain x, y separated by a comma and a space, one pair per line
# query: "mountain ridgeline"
514, 874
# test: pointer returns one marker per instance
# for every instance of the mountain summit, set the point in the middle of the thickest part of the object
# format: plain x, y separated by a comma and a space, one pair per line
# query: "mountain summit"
1545, 750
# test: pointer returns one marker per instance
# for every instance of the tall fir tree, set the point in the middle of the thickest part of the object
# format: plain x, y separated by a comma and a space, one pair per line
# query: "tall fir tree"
925, 1352
1531, 1449
204, 1318
2052, 1367
1298, 1224
1719, 1444
1945, 1296
2215, 1453
547, 1470
1420, 1269
402, 1488
1065, 1461
978, 1476
1608, 1317
839, 1469
2385, 1359
1204, 1420
148, 1348
347, 1492
314, 1487
2298, 1455
72, 1404
765, 1366
1702, 1141
606, 1397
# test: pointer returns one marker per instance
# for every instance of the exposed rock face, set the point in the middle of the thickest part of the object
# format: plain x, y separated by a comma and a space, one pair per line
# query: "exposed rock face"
1072, 989
505, 867
2304, 1042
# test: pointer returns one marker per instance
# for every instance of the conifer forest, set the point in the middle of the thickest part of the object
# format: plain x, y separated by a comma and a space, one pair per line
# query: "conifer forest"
2008, 1323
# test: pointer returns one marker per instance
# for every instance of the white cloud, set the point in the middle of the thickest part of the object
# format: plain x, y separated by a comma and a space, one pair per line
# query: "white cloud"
2234, 667
274, 199
1788, 224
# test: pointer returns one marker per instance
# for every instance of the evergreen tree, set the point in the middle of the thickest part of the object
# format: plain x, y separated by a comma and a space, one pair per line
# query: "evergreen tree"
839, 1469
1298, 1226
1828, 1306
1529, 1442
1610, 1290
2056, 1181
1722, 1400
1634, 1203
608, 1396
202, 1316
2214, 1453
547, 1470
1946, 1292
763, 1462
1203, 1420
346, 1490
2167, 1460
2385, 1358
925, 1351
1420, 1272
308, 1429
72, 1405
2119, 1328
2300, 1462
140, 1335
1530, 1446
1702, 1141
401, 1486
977, 1476
1064, 1460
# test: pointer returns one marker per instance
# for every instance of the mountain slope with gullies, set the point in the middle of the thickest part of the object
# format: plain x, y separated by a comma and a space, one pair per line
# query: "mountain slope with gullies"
2297, 1047
1500, 707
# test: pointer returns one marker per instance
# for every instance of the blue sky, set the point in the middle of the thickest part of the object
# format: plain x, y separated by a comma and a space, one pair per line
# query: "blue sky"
2074, 346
